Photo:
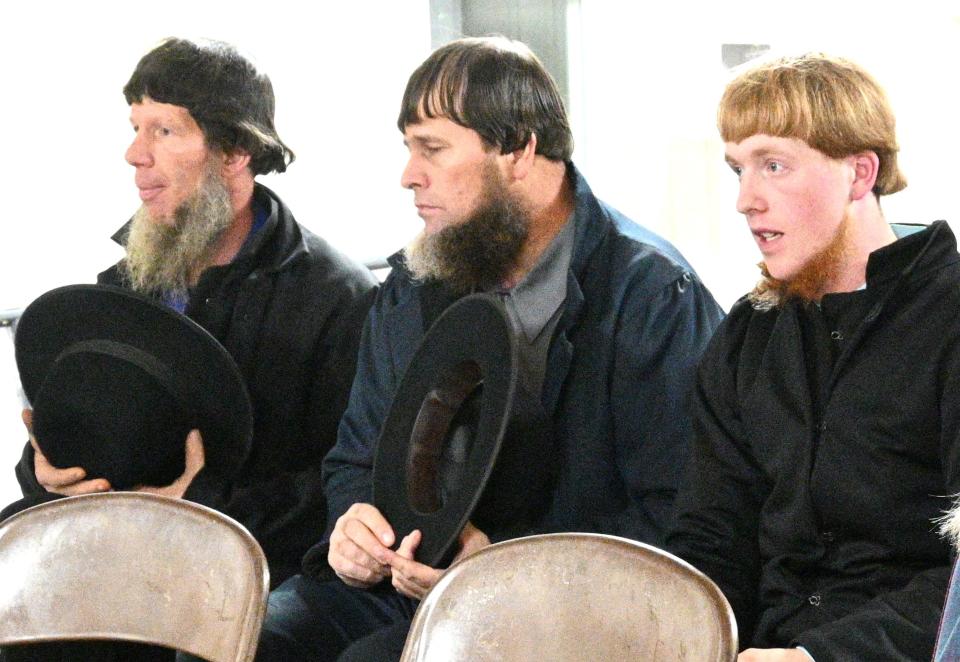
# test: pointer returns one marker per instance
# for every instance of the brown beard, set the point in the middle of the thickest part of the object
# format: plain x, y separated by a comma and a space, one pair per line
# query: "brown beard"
478, 253
810, 282
168, 257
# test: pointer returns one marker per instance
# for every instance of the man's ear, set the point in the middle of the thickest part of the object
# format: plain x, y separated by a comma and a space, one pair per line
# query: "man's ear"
522, 159
235, 162
866, 167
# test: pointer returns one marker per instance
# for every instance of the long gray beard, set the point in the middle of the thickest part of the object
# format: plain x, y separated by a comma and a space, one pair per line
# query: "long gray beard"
477, 254
169, 258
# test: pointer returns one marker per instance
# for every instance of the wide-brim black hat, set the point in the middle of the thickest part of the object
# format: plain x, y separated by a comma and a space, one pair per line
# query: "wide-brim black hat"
463, 440
117, 381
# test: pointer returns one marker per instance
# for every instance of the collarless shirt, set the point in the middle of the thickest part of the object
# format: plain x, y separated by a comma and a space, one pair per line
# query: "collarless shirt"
535, 303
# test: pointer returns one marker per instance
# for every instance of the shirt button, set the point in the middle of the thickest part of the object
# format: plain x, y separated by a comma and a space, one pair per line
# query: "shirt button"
814, 599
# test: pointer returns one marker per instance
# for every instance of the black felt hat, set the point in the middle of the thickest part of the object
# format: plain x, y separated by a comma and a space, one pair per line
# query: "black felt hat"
117, 381
462, 440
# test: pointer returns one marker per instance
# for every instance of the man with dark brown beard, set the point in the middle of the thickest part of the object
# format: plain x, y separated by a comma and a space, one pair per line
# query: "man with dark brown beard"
826, 418
213, 243
610, 319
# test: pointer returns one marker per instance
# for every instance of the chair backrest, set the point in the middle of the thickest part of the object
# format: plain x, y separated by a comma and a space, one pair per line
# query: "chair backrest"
132, 567
572, 596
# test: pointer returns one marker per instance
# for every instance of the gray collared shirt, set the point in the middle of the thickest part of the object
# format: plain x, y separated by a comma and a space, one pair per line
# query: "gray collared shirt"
535, 304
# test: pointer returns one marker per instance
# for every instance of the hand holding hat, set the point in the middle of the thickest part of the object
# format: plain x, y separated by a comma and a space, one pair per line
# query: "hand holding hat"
71, 481
414, 579
359, 550
360, 553
67, 482
193, 462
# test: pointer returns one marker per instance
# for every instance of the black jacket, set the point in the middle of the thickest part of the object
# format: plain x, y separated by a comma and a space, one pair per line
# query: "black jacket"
289, 309
813, 509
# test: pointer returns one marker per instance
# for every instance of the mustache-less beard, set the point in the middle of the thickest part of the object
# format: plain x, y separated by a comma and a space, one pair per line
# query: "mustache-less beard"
811, 280
478, 253
163, 257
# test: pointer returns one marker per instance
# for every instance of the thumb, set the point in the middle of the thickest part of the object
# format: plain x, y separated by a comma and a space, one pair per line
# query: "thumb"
409, 544
195, 456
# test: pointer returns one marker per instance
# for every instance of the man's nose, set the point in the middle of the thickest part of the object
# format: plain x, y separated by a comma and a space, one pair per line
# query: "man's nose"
138, 153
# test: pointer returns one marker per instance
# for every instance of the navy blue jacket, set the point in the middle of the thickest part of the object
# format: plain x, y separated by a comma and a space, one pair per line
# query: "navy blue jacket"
619, 367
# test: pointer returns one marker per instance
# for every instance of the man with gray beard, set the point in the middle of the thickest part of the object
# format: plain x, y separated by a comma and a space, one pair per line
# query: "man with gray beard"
610, 322
213, 243
168, 257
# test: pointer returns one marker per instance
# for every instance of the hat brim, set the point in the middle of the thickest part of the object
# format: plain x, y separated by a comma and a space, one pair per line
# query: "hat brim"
468, 359
204, 373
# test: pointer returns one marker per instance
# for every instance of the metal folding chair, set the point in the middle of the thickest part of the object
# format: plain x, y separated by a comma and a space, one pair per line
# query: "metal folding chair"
570, 597
132, 567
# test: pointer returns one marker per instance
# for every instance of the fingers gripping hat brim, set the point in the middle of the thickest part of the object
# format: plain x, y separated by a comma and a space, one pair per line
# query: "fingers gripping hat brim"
447, 426
116, 379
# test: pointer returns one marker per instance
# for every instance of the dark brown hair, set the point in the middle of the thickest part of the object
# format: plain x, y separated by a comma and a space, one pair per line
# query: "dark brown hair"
225, 94
495, 86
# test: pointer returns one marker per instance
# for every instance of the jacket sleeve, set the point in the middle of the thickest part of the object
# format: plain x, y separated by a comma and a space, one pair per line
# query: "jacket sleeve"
390, 337
348, 468
716, 526
284, 506
658, 340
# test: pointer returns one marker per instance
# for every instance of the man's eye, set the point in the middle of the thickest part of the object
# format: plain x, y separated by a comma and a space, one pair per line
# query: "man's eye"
774, 166
163, 131
737, 170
